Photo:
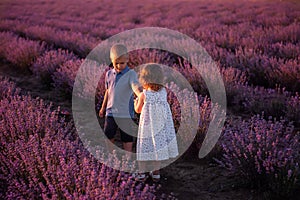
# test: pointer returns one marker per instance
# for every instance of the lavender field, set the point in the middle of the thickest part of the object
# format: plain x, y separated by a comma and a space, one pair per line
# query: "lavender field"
256, 46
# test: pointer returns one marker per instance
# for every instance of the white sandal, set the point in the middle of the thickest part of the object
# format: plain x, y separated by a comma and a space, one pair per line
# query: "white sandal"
141, 177
155, 177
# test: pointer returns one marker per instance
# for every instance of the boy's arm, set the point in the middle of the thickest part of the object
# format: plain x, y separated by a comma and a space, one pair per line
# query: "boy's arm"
105, 99
137, 88
103, 107
139, 102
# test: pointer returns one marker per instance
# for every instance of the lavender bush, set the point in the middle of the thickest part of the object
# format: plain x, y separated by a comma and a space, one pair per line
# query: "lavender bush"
285, 72
258, 99
7, 88
293, 109
264, 152
234, 79
5, 38
22, 52
64, 76
90, 82
45, 66
199, 109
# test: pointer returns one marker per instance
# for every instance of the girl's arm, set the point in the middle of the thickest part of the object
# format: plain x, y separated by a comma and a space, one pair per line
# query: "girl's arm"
134, 83
139, 102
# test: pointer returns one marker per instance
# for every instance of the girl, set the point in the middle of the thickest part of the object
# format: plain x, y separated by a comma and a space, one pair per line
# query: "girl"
156, 134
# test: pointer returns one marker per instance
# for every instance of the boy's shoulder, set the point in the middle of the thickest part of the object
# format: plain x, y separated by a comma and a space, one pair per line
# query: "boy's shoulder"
132, 71
129, 72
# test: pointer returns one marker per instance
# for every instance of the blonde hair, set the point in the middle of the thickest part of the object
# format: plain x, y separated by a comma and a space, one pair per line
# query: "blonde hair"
117, 51
151, 77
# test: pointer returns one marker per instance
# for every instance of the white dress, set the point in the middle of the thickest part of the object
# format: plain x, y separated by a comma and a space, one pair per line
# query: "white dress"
156, 135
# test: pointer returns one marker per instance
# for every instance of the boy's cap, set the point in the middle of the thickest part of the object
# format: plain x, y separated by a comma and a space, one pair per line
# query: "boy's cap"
117, 51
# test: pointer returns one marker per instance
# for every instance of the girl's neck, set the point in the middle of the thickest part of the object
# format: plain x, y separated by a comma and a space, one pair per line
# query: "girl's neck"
152, 89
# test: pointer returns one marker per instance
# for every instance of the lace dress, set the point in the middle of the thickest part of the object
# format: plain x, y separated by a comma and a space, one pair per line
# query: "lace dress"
156, 134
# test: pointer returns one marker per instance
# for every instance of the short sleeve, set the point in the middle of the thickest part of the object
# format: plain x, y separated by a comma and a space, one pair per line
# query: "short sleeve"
133, 81
105, 80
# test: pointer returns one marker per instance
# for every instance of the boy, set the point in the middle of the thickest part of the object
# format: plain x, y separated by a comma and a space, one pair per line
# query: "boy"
120, 83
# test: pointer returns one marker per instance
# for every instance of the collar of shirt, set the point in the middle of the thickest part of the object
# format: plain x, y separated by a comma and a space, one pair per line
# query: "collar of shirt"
126, 69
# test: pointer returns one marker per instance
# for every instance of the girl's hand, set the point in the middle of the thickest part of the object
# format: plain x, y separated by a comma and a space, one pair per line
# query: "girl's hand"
101, 112
135, 101
139, 102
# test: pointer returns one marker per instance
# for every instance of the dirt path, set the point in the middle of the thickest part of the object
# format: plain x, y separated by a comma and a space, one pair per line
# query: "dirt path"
32, 85
198, 179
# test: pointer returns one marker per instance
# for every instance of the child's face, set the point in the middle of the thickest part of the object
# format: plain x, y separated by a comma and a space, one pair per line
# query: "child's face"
120, 63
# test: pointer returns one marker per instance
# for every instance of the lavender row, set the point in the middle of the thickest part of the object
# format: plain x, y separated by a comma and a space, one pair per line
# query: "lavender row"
55, 68
45, 63
77, 42
42, 157
228, 44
